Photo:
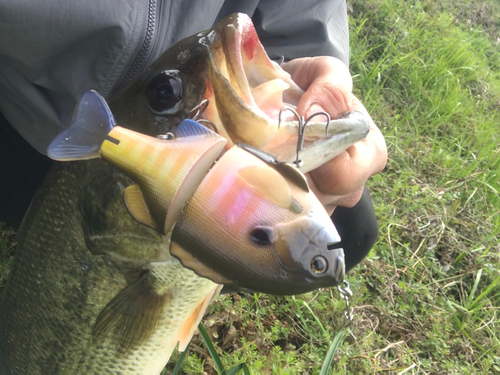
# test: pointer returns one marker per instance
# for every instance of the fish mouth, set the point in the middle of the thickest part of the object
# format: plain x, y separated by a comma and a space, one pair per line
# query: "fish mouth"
247, 92
257, 80
245, 87
311, 251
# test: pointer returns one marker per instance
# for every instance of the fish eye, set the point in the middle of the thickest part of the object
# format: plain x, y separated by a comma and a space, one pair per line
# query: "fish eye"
164, 92
260, 236
319, 265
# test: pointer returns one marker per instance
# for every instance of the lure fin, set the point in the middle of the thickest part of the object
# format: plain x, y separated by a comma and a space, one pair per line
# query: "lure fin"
191, 128
286, 169
293, 174
133, 315
270, 184
92, 121
136, 206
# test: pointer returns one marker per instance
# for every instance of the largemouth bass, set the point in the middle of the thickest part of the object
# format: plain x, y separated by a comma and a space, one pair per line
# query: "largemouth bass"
92, 290
244, 90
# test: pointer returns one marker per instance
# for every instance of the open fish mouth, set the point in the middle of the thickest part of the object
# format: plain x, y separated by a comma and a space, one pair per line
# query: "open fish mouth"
247, 93
248, 90
260, 82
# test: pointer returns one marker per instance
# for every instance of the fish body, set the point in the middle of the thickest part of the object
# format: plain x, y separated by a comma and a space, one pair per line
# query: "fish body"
246, 221
66, 276
79, 249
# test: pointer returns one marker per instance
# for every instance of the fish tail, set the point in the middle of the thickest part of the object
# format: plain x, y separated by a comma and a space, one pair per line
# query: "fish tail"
92, 121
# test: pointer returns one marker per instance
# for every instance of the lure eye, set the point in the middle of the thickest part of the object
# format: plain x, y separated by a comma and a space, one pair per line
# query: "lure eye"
261, 236
319, 265
164, 92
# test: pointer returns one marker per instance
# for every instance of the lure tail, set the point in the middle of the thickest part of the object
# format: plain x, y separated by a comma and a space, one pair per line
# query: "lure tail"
91, 124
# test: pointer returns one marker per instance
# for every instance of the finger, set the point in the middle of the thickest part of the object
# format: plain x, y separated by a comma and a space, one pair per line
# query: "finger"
305, 71
332, 201
329, 96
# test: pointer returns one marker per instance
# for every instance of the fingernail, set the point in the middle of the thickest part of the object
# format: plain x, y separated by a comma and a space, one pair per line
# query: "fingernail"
314, 108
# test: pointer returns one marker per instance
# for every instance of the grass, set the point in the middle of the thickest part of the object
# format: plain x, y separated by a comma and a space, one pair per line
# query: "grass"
427, 298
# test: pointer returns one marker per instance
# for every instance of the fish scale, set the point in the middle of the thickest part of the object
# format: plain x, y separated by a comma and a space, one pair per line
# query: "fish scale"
60, 291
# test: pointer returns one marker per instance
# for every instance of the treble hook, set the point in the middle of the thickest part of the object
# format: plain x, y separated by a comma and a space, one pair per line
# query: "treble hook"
209, 123
317, 114
200, 108
300, 142
302, 129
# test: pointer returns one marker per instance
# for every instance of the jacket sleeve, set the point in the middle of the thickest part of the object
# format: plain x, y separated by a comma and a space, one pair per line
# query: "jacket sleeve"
301, 28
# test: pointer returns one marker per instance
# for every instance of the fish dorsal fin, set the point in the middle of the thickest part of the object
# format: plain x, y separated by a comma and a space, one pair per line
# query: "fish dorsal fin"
189, 261
92, 121
268, 183
191, 128
136, 206
262, 155
132, 316
194, 319
285, 169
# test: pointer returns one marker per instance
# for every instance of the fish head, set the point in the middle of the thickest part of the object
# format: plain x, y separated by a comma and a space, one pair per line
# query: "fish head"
305, 247
243, 93
227, 66
255, 225
168, 90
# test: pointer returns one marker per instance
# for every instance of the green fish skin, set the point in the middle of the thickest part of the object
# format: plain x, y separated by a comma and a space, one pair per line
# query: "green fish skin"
83, 259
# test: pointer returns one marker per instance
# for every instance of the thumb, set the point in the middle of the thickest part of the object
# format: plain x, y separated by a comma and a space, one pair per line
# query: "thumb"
329, 97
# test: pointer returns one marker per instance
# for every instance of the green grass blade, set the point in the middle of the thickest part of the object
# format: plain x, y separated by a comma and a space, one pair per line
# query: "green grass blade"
211, 348
328, 362
474, 288
488, 290
241, 367
179, 362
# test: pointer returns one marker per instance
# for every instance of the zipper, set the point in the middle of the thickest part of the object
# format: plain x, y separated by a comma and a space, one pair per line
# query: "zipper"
145, 51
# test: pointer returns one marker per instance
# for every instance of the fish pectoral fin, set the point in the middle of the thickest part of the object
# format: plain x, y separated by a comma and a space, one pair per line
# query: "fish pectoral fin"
194, 319
132, 316
92, 121
136, 206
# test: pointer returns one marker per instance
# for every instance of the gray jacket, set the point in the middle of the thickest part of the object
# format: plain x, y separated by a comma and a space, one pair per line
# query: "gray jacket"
52, 51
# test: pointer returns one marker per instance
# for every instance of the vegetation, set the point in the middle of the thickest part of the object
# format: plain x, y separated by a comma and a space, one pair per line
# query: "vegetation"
427, 298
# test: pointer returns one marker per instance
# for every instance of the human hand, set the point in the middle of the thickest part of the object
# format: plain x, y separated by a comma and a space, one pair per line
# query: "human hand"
328, 87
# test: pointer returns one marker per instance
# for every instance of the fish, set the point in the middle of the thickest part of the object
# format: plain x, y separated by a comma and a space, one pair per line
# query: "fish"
244, 93
93, 290
247, 221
